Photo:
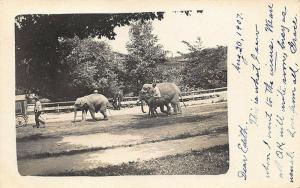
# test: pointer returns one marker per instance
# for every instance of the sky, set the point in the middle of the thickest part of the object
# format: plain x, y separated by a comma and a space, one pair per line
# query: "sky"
176, 27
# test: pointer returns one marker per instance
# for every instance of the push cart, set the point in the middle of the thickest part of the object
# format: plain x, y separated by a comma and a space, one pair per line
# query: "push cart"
21, 113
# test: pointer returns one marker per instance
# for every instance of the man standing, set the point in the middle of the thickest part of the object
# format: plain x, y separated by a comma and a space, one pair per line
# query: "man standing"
37, 111
156, 92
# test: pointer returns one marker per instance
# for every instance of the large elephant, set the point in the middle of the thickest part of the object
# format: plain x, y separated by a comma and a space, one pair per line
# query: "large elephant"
169, 92
92, 103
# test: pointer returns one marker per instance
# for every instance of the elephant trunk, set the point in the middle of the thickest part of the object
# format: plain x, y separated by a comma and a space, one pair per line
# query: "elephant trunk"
94, 115
142, 103
142, 106
75, 113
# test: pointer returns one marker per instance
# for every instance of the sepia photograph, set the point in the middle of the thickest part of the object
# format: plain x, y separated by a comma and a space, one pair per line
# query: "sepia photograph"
118, 94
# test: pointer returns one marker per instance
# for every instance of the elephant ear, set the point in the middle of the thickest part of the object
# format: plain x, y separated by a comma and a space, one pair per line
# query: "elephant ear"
80, 101
150, 91
146, 87
143, 90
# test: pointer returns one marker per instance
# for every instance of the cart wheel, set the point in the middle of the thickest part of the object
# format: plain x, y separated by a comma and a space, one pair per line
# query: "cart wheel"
20, 121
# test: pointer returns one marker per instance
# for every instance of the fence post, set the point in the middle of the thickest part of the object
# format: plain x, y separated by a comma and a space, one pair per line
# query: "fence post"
193, 96
57, 107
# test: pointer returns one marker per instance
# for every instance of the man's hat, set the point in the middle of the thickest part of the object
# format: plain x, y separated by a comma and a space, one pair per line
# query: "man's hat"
95, 91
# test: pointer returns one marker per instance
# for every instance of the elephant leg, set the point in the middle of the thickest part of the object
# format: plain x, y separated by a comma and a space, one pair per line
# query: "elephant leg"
152, 111
104, 115
75, 114
179, 108
174, 106
168, 109
103, 111
163, 110
93, 114
120, 105
83, 115
155, 112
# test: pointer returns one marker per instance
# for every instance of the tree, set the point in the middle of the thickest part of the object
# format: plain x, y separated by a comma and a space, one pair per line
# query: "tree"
89, 65
205, 67
38, 39
144, 54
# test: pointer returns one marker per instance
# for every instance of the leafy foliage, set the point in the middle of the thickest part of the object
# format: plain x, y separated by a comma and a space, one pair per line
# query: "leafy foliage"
144, 55
205, 67
57, 57
38, 48
170, 72
90, 65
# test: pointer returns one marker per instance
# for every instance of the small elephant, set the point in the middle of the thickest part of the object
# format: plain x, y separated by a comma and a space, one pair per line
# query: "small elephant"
93, 103
153, 103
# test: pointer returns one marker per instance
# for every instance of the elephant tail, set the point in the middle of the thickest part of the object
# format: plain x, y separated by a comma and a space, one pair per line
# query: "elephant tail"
182, 100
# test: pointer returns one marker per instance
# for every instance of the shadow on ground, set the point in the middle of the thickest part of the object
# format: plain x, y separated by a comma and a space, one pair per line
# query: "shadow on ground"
141, 122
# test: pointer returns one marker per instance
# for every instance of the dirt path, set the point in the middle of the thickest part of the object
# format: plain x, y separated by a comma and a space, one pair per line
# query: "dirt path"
194, 114
61, 146
125, 135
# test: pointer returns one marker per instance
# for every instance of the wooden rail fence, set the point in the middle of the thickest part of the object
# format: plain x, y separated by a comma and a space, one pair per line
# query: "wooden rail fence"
132, 101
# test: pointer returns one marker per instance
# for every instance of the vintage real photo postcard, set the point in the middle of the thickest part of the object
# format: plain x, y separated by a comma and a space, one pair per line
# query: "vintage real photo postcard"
141, 95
